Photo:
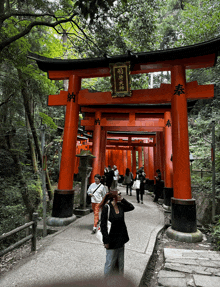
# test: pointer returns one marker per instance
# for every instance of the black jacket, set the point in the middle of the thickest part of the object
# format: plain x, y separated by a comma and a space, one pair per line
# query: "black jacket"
109, 177
118, 235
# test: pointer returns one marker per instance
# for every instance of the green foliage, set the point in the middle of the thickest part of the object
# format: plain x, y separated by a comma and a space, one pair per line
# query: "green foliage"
214, 231
12, 210
199, 22
48, 121
91, 9
35, 192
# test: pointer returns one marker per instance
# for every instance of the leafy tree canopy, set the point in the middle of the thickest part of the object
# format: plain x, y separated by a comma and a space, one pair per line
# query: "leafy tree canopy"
18, 18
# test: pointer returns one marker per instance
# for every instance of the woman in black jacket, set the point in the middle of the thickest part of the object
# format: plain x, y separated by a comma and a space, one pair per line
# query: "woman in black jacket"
114, 241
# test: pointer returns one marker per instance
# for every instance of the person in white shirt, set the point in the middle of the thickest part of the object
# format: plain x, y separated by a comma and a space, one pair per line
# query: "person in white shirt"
97, 191
115, 178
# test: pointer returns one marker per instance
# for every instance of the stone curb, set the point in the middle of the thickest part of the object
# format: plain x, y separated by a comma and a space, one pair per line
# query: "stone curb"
185, 237
55, 221
152, 243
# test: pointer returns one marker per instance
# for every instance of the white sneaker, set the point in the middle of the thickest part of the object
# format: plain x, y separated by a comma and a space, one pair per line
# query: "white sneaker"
94, 230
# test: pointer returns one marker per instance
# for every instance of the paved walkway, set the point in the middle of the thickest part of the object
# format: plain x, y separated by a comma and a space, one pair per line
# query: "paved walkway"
194, 268
75, 254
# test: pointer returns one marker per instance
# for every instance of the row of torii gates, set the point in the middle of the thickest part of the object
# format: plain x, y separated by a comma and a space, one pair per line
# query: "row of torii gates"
119, 147
160, 112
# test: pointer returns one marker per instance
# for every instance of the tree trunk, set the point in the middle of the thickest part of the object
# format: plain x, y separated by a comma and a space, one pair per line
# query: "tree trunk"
23, 186
31, 146
24, 93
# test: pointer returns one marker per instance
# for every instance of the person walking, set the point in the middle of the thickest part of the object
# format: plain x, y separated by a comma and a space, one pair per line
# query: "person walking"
115, 178
157, 186
97, 191
128, 179
140, 191
114, 241
109, 174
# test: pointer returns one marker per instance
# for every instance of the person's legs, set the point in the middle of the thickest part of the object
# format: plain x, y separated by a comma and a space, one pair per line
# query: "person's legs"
121, 260
141, 196
95, 207
137, 195
126, 189
130, 189
113, 185
111, 257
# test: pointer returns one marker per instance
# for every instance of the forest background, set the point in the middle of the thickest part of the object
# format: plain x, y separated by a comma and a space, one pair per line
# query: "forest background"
92, 28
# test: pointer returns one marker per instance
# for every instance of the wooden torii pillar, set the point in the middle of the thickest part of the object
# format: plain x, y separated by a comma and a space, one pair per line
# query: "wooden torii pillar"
151, 167
129, 159
183, 206
63, 195
96, 145
102, 157
168, 183
146, 164
140, 162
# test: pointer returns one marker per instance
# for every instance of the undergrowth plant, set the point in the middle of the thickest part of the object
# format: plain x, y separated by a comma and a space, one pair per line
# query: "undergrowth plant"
214, 231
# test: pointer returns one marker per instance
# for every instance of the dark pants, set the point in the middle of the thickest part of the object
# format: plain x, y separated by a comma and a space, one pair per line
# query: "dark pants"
158, 191
127, 186
138, 191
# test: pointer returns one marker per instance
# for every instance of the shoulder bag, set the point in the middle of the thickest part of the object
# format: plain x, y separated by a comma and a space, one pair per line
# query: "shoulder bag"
136, 184
99, 233
88, 197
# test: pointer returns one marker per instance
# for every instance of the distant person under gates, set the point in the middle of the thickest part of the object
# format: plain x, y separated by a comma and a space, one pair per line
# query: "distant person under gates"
140, 191
115, 178
141, 169
97, 191
128, 180
109, 174
114, 241
157, 186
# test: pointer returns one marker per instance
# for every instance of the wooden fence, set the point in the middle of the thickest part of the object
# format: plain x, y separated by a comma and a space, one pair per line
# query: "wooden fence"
201, 171
32, 236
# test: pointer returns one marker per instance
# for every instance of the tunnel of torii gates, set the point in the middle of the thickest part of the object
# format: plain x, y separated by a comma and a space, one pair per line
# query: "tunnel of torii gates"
178, 93
121, 152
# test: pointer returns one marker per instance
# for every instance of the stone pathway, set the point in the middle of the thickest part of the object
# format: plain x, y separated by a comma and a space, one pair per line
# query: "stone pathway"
194, 268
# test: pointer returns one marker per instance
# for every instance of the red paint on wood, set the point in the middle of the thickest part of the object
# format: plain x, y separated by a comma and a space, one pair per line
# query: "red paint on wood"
180, 140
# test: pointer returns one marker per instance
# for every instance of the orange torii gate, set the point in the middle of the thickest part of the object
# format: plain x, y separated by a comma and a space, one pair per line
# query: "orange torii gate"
139, 116
120, 147
129, 115
177, 93
148, 165
126, 146
97, 124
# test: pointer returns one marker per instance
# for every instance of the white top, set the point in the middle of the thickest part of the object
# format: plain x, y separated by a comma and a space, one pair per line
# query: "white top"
99, 193
116, 175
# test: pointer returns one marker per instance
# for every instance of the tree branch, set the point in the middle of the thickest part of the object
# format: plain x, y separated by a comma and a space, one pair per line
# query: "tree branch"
29, 28
6, 16
87, 36
7, 100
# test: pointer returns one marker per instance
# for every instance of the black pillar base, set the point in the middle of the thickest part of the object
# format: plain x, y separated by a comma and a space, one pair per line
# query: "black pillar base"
167, 194
63, 203
183, 215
